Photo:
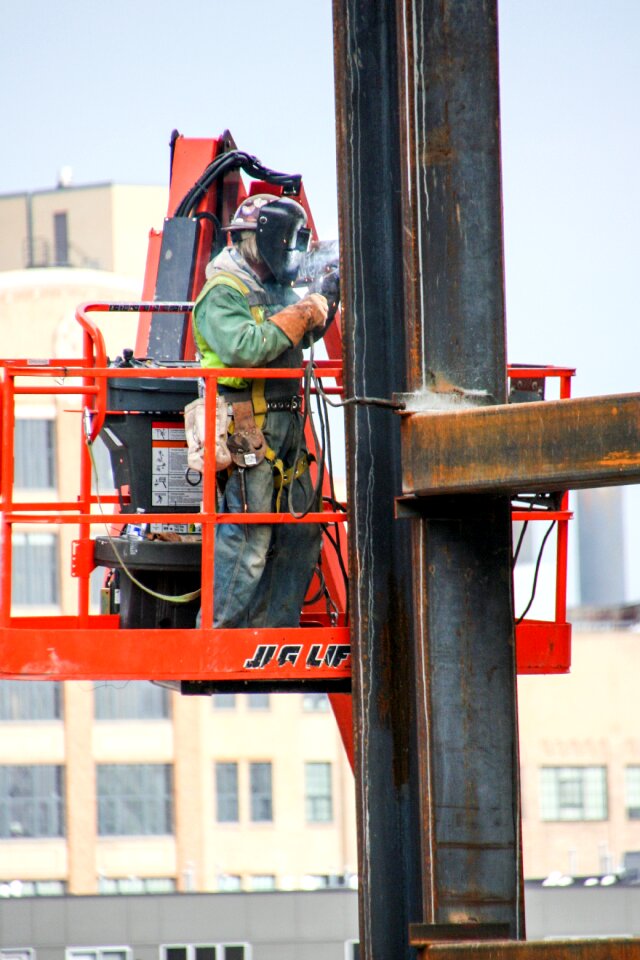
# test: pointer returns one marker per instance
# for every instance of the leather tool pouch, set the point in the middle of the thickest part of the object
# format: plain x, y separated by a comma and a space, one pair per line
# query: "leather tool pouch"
247, 445
194, 428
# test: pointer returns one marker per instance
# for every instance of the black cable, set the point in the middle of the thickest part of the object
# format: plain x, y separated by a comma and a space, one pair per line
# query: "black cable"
323, 413
322, 589
365, 402
536, 572
520, 539
313, 499
335, 543
234, 160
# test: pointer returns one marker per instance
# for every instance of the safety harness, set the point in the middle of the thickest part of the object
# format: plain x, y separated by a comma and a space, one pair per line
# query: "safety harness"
248, 416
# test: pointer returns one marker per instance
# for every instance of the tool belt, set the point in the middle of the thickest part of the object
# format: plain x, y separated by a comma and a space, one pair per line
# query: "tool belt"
288, 404
246, 441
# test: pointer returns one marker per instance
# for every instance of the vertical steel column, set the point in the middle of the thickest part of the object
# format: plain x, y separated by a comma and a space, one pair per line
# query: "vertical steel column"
380, 555
454, 278
417, 104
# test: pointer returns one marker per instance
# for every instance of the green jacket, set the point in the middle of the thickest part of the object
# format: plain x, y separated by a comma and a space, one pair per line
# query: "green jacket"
231, 324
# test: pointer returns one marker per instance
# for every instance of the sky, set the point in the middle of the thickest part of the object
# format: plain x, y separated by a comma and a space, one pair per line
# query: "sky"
100, 86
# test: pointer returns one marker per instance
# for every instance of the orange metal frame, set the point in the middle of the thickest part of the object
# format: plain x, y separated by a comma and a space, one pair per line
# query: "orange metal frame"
85, 645
544, 646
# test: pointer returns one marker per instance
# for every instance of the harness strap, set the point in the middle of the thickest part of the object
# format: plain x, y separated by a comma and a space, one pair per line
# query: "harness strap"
284, 478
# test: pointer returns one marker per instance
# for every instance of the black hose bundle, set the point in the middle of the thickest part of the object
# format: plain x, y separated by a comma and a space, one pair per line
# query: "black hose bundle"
225, 163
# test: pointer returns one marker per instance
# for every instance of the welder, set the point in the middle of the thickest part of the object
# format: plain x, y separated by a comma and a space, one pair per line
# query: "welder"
249, 315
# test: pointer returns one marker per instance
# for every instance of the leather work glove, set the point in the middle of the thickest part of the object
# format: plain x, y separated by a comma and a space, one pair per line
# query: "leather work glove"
301, 317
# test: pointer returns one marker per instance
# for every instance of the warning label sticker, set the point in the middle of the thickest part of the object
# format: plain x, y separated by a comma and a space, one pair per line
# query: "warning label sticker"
169, 487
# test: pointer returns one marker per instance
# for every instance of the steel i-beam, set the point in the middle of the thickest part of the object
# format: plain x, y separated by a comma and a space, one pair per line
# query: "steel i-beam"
434, 667
383, 675
453, 256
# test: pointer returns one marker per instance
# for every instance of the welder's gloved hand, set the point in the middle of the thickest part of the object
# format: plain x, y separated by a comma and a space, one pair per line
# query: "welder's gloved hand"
299, 318
330, 289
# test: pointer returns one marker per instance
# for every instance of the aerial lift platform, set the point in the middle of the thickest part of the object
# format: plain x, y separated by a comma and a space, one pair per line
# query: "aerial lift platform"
427, 646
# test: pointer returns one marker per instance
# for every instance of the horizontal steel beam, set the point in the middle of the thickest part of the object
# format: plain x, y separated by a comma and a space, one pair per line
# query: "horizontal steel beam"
424, 934
621, 949
522, 448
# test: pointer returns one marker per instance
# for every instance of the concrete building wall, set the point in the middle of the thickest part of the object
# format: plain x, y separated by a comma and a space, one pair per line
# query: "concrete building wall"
13, 232
106, 227
274, 926
587, 718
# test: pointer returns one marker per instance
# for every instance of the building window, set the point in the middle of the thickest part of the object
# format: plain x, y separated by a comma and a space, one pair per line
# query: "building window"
352, 950
97, 953
134, 800
224, 701
226, 792
260, 882
317, 792
260, 789
315, 702
318, 881
35, 454
258, 701
135, 885
573, 793
136, 700
32, 888
61, 239
35, 570
206, 951
20, 953
632, 792
23, 700
31, 801
229, 882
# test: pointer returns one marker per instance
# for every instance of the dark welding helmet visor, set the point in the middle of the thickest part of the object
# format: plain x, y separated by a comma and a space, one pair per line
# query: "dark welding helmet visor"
283, 237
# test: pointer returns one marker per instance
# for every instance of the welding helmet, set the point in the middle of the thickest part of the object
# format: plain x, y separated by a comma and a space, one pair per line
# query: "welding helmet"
282, 236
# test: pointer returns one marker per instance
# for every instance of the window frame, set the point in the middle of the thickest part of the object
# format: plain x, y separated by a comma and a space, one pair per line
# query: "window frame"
118, 801
28, 688
21, 538
223, 701
257, 702
631, 788
99, 953
218, 766
553, 803
54, 802
255, 799
219, 947
315, 703
24, 446
119, 695
261, 882
313, 801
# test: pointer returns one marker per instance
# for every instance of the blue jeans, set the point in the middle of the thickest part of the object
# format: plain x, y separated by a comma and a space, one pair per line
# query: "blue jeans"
262, 572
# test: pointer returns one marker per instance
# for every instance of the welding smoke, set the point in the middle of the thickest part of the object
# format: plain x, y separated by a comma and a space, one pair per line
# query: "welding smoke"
324, 257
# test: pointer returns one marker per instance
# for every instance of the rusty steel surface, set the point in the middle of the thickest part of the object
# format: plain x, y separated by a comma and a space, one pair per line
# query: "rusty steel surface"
525, 447
455, 317
423, 934
622, 948
383, 679
432, 618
